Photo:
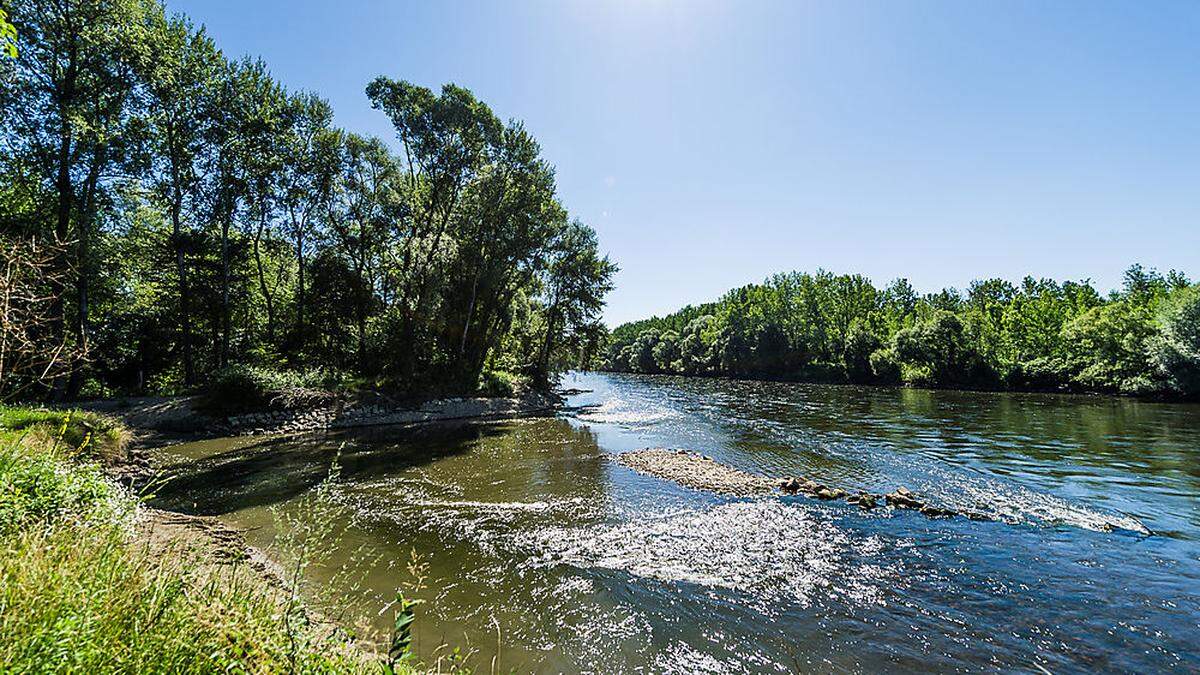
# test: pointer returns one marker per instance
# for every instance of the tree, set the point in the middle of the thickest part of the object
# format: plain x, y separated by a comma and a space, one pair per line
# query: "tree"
1106, 348
1175, 350
309, 149
695, 345
181, 79
859, 345
71, 111
577, 279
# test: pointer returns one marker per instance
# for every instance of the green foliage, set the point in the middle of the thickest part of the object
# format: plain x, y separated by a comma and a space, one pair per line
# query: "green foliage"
936, 352
81, 592
8, 36
215, 219
1175, 350
861, 343
240, 388
400, 645
500, 384
1105, 348
1039, 334
85, 433
38, 486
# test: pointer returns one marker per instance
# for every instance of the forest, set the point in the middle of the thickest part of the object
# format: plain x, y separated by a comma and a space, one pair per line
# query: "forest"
169, 214
1042, 335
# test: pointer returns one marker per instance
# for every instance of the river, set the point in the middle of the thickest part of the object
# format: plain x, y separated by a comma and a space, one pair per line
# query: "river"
544, 554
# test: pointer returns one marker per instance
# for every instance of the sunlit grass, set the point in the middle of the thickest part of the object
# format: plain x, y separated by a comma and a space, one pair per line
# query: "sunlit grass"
81, 592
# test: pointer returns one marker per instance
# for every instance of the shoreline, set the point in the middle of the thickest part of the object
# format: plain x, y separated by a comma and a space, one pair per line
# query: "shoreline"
1096, 395
158, 422
214, 544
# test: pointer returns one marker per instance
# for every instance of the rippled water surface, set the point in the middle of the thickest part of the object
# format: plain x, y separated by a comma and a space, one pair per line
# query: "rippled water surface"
531, 531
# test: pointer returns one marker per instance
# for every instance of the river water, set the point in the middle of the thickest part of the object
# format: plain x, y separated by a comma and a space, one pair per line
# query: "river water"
531, 532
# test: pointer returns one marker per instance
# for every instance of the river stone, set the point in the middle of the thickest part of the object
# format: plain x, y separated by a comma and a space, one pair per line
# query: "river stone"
904, 499
863, 500
935, 512
828, 493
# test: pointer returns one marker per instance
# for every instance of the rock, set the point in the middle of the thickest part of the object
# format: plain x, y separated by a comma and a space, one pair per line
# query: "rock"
863, 500
903, 499
790, 485
828, 493
935, 512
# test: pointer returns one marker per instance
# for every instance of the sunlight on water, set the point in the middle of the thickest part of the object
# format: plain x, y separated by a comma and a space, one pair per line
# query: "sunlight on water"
534, 534
628, 413
767, 550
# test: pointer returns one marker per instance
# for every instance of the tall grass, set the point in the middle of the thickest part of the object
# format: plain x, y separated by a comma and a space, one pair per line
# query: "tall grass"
80, 592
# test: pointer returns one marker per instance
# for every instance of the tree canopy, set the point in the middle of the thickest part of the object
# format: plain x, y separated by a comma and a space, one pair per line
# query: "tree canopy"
204, 217
1038, 334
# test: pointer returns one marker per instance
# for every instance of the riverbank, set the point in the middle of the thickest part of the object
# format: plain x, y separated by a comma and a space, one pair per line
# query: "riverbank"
164, 420
92, 580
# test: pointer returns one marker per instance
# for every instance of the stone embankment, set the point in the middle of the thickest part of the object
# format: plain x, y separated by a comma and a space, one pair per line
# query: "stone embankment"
698, 472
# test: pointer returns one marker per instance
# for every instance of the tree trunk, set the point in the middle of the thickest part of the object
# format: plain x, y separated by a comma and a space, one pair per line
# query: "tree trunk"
185, 316
300, 283
223, 348
268, 295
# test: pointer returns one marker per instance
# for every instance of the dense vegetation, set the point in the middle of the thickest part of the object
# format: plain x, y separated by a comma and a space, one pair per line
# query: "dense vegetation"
1036, 335
80, 591
167, 213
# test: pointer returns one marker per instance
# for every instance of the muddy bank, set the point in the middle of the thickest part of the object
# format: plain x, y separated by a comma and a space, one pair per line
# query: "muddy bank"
693, 470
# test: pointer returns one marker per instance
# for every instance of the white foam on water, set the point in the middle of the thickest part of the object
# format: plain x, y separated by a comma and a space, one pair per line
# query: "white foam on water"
767, 550
1008, 502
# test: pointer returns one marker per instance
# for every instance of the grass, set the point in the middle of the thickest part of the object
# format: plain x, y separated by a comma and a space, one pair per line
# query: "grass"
99, 436
79, 592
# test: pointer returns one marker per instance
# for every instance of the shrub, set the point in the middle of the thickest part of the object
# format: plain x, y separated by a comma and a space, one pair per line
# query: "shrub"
500, 384
240, 388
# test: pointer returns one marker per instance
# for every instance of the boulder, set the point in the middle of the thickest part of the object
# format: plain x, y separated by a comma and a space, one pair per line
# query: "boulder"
903, 499
935, 512
828, 493
864, 500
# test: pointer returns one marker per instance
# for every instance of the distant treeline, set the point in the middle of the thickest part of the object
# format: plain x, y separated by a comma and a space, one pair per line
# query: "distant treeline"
168, 213
1036, 335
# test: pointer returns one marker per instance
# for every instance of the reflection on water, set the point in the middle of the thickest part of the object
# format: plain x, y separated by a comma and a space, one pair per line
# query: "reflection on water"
581, 565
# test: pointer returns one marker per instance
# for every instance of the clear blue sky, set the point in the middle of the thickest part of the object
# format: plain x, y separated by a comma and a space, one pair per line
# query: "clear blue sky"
714, 143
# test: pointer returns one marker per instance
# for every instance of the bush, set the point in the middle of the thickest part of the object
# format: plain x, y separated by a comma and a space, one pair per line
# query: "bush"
240, 388
499, 384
